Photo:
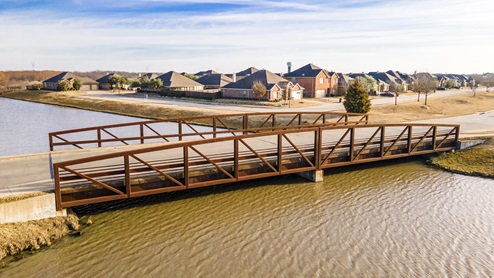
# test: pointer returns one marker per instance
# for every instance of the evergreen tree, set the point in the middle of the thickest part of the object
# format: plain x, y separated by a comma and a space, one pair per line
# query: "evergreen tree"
77, 84
357, 100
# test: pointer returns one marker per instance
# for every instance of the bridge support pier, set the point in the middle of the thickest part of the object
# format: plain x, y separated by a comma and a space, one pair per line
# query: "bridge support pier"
315, 176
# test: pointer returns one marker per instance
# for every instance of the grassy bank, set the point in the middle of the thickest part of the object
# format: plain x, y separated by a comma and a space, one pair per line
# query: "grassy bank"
476, 161
31, 235
108, 106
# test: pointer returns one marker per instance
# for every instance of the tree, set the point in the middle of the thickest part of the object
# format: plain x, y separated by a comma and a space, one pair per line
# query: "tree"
190, 76
124, 80
144, 81
258, 89
114, 81
473, 85
357, 99
155, 83
451, 83
488, 81
368, 83
77, 84
424, 84
63, 85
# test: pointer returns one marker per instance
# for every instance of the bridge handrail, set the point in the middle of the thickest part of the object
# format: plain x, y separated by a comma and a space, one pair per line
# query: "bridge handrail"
315, 155
217, 122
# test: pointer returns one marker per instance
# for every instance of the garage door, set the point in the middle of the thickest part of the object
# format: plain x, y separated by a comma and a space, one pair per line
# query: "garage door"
320, 93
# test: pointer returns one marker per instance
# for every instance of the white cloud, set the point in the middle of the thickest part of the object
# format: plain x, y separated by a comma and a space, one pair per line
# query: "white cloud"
441, 36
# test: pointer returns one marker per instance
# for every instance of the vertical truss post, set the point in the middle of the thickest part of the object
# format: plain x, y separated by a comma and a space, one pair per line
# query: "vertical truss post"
179, 130
99, 137
245, 123
346, 121
186, 166
274, 120
280, 153
410, 134
128, 188
58, 190
457, 135
324, 118
50, 138
141, 128
236, 158
352, 143
434, 132
317, 148
383, 138
299, 119
214, 127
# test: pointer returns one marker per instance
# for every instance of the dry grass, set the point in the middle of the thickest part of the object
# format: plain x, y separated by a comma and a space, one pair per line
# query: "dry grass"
109, 106
448, 106
19, 197
476, 161
31, 235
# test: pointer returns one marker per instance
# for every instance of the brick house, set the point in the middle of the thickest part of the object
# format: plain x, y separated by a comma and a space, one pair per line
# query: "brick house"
315, 80
276, 87
87, 84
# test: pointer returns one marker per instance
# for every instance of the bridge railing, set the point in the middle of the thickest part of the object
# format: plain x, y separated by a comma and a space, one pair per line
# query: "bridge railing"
200, 127
191, 164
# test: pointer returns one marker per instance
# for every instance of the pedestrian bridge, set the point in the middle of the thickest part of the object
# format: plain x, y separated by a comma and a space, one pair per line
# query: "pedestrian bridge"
234, 148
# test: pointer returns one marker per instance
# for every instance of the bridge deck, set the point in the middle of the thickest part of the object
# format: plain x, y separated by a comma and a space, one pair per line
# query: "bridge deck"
191, 164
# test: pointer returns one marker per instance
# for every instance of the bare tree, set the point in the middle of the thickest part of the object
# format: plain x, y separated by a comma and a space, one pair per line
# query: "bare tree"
258, 89
424, 84
488, 81
473, 85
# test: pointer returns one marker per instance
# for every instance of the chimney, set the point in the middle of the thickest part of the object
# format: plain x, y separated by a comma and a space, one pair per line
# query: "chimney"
234, 77
289, 65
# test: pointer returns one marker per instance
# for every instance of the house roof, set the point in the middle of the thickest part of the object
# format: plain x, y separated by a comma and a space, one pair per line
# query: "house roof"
385, 77
59, 77
247, 72
69, 77
105, 78
266, 77
215, 79
174, 79
205, 72
344, 80
308, 70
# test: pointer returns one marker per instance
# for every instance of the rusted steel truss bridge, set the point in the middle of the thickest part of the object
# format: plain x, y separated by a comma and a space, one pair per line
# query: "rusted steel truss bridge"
210, 150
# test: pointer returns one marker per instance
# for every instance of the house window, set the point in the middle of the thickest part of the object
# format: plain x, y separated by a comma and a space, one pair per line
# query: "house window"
321, 80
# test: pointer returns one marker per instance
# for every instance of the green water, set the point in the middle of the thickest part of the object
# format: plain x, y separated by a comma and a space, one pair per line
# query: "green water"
399, 218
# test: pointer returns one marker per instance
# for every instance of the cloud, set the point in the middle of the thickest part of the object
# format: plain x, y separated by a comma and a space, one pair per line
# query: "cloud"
192, 35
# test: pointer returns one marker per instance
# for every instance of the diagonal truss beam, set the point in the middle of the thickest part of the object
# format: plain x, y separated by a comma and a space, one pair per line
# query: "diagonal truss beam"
157, 133
446, 137
258, 155
109, 133
194, 129
93, 180
422, 139
396, 140
336, 146
368, 142
212, 162
157, 170
295, 147
67, 141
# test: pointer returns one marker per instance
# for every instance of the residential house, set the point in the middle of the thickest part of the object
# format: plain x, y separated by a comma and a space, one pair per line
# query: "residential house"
276, 87
315, 80
387, 82
174, 81
214, 80
88, 84
344, 82
333, 82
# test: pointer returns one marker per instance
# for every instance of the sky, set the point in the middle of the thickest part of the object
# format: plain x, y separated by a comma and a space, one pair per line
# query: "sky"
437, 36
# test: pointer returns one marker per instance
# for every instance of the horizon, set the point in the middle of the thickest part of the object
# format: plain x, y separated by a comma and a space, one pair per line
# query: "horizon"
229, 36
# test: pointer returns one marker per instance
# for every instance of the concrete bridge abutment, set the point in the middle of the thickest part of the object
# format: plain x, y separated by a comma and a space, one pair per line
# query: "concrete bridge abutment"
315, 176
